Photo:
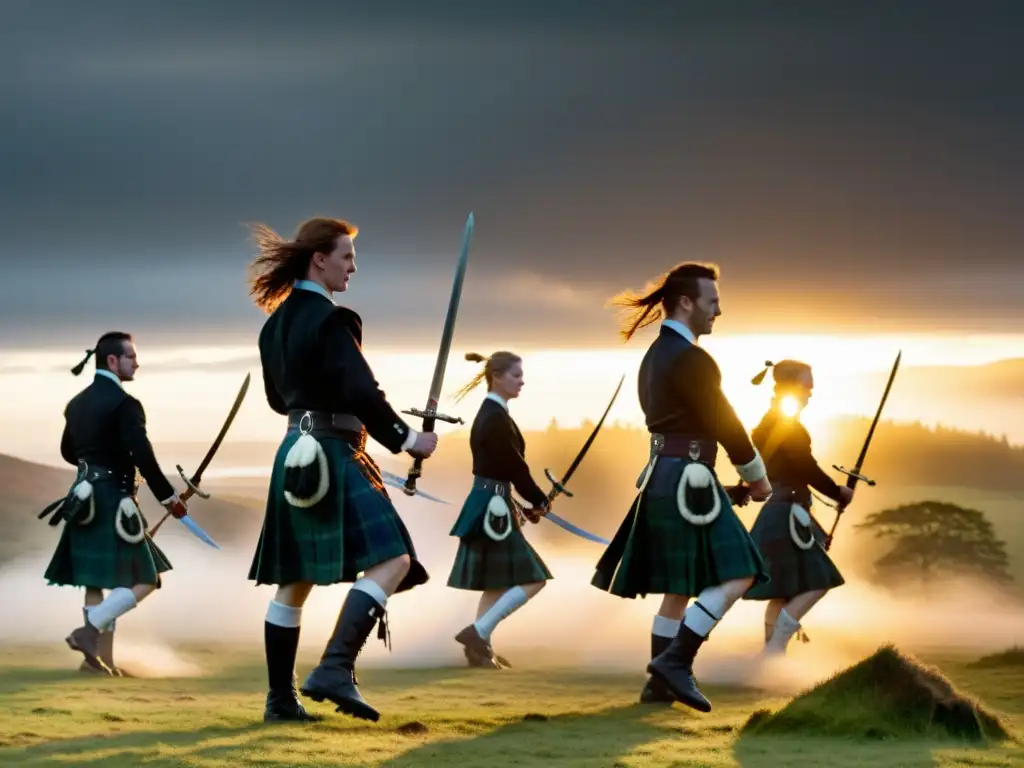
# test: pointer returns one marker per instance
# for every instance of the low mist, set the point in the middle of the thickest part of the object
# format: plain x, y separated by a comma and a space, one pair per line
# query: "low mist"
206, 599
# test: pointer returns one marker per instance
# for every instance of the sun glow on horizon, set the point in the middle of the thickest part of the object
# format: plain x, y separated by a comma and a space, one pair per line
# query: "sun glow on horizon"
187, 391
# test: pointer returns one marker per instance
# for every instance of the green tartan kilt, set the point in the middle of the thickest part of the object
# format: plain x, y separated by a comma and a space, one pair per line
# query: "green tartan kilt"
793, 570
94, 555
657, 551
353, 528
482, 563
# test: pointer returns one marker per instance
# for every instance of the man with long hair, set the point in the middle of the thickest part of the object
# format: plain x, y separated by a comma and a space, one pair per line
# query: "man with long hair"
328, 516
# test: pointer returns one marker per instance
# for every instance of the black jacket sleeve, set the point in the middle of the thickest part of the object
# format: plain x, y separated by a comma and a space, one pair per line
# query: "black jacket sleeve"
348, 370
797, 447
67, 447
131, 423
500, 444
274, 399
699, 384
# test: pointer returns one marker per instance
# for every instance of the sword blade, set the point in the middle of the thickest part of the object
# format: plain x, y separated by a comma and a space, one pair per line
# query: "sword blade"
392, 479
586, 446
199, 533
198, 475
449, 321
871, 430
433, 397
565, 524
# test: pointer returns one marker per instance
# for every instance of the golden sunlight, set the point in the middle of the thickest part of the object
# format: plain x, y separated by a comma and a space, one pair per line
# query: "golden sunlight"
789, 406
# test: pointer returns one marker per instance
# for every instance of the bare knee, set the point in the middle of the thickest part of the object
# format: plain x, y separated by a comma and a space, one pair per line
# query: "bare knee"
293, 595
401, 565
534, 588
673, 606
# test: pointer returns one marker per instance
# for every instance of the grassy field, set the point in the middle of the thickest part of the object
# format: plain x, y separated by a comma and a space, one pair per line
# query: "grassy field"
53, 715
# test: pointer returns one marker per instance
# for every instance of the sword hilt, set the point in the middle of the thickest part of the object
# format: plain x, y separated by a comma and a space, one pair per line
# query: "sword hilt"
431, 414
557, 487
192, 488
854, 474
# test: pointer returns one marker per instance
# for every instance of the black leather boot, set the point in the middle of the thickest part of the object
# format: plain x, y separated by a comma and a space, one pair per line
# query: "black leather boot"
674, 667
478, 651
283, 705
655, 691
86, 640
334, 678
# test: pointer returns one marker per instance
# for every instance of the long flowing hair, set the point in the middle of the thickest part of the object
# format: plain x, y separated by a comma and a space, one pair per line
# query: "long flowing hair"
659, 298
281, 262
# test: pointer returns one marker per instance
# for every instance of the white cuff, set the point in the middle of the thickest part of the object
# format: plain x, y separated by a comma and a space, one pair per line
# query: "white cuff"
753, 470
410, 439
169, 499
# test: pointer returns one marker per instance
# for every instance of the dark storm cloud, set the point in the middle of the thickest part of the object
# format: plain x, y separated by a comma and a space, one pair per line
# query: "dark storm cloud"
813, 152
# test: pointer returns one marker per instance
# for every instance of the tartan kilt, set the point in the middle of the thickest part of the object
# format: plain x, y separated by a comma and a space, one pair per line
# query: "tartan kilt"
482, 563
657, 551
793, 570
353, 528
94, 555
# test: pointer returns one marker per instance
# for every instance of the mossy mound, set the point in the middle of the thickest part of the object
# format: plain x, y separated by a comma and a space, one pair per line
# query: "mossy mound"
886, 696
1012, 657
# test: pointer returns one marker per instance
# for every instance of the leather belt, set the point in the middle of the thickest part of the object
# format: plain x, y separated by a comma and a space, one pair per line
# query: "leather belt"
683, 446
324, 421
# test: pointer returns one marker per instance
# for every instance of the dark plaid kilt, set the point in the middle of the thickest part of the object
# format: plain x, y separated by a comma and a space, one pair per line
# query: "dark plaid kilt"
793, 570
656, 551
482, 563
353, 528
93, 555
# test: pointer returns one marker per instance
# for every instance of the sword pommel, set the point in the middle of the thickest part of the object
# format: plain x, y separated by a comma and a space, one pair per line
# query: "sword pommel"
192, 485
433, 414
557, 487
854, 474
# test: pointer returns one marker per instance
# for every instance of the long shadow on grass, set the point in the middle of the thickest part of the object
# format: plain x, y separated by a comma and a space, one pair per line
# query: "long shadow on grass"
135, 748
591, 738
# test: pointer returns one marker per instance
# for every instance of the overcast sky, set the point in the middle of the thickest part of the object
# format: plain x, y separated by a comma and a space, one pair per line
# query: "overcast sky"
856, 164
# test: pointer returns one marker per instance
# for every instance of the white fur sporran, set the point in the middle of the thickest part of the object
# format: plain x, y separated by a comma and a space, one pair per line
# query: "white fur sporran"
127, 510
83, 491
306, 464
498, 507
698, 477
797, 514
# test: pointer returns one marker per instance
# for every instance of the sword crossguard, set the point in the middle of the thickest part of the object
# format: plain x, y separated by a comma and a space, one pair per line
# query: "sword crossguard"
432, 414
191, 486
557, 486
853, 474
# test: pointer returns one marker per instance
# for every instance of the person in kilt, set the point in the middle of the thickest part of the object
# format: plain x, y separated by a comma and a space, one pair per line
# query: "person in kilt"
494, 557
328, 516
681, 537
788, 537
104, 544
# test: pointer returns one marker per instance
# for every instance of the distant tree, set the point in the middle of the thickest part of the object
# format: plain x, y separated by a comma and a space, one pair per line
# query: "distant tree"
552, 425
933, 537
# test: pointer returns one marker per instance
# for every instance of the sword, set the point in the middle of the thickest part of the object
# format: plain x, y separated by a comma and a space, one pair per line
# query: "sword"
192, 483
430, 414
558, 486
854, 475
390, 478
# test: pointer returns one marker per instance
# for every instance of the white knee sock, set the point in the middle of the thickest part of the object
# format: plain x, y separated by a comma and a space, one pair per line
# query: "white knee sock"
665, 627
785, 627
281, 615
707, 610
118, 602
373, 589
503, 607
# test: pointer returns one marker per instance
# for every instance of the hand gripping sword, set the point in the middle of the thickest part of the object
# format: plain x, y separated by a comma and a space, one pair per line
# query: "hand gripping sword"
558, 486
192, 483
429, 414
854, 475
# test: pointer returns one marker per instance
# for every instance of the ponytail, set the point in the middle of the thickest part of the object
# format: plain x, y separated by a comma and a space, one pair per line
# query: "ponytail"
473, 357
641, 311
